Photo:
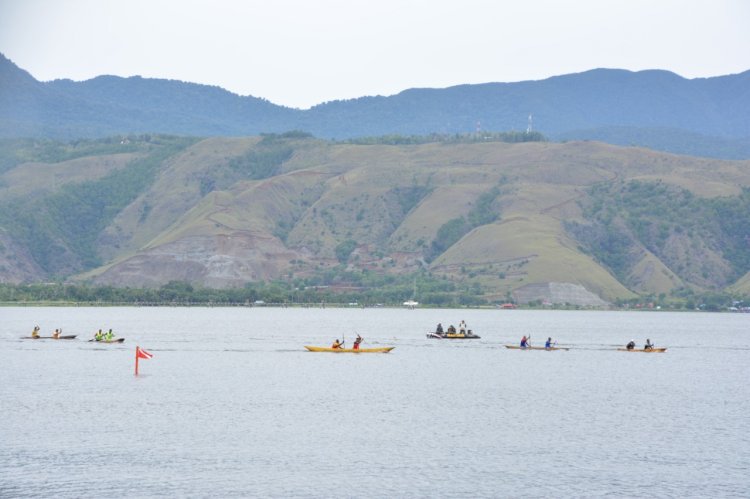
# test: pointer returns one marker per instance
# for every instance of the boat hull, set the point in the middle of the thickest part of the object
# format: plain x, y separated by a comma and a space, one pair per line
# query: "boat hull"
349, 350
519, 347
66, 337
454, 336
116, 340
650, 350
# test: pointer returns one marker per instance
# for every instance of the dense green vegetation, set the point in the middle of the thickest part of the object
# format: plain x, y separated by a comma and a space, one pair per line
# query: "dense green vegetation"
334, 286
264, 160
61, 229
482, 212
657, 216
16, 151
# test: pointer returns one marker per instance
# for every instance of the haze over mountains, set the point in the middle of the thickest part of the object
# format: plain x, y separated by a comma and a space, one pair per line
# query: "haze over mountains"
141, 182
656, 109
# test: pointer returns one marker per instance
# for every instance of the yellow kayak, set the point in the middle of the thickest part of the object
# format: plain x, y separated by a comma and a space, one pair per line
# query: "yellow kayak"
350, 350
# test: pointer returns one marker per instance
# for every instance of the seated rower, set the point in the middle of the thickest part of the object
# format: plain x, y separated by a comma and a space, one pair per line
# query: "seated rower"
648, 345
451, 329
357, 342
631, 345
548, 343
56, 334
439, 328
35, 332
109, 336
99, 336
337, 344
525, 342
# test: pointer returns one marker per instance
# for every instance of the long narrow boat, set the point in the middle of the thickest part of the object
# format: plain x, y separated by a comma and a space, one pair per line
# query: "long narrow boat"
518, 347
350, 350
113, 340
454, 336
66, 337
647, 350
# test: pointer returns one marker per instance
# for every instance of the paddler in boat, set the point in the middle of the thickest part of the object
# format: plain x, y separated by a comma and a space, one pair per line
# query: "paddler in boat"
462, 327
56, 334
109, 336
451, 329
648, 345
525, 342
548, 343
35, 332
631, 345
337, 344
439, 328
99, 336
357, 342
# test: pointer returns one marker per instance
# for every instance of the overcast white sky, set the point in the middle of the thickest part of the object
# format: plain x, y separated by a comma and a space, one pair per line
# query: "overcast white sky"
300, 53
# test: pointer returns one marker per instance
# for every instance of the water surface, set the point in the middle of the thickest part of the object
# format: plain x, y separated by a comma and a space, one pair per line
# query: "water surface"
232, 405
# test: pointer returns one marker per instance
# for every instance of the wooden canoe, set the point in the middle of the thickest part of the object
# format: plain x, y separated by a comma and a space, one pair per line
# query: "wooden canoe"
113, 340
65, 337
519, 347
350, 350
650, 350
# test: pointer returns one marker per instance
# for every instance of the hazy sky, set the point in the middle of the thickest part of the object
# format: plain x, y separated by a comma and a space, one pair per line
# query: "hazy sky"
300, 53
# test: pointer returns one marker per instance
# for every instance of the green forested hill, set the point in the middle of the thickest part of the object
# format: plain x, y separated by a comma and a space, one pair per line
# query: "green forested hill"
581, 222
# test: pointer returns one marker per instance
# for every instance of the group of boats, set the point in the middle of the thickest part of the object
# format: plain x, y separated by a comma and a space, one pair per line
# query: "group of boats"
57, 335
465, 333
338, 347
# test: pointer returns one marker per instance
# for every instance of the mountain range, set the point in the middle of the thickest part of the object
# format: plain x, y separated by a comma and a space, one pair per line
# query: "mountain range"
656, 109
585, 223
137, 182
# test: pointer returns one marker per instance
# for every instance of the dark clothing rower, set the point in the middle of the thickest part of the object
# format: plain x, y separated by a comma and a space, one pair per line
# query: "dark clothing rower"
439, 328
631, 345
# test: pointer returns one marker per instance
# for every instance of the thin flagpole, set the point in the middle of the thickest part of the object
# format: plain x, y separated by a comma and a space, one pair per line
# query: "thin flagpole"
136, 360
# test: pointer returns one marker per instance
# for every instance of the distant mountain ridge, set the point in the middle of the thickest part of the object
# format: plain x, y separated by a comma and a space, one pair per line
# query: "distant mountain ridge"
657, 109
581, 222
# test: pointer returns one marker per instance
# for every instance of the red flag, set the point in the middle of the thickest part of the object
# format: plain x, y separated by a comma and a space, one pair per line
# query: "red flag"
142, 354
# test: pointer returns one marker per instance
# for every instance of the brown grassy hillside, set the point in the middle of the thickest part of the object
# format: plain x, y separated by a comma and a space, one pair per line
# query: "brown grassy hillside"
535, 220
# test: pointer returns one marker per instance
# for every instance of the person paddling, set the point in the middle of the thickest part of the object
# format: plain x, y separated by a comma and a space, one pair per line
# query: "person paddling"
109, 336
56, 334
648, 345
336, 344
631, 345
35, 332
525, 342
357, 342
99, 336
548, 343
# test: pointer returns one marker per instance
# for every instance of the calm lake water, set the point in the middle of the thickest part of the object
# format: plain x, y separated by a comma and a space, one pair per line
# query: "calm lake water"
231, 405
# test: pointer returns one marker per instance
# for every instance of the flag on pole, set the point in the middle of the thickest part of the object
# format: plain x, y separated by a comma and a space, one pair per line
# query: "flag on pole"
142, 354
